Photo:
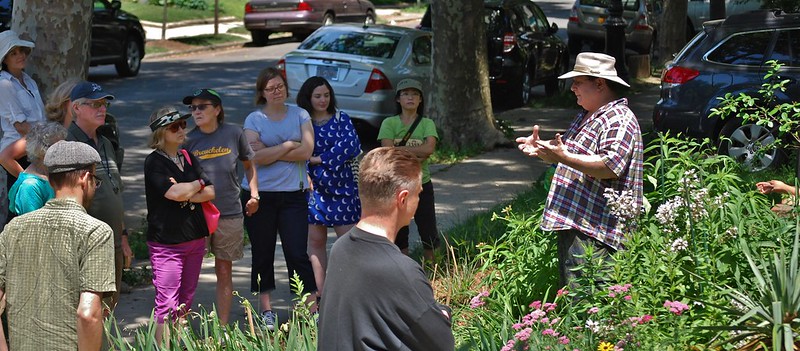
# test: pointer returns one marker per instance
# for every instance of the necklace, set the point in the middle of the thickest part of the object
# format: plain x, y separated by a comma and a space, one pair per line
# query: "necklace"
321, 122
176, 159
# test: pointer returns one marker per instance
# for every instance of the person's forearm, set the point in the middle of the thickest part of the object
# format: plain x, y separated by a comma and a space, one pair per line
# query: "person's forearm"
252, 178
207, 194
90, 322
9, 156
301, 153
270, 155
22, 127
592, 165
422, 152
183, 191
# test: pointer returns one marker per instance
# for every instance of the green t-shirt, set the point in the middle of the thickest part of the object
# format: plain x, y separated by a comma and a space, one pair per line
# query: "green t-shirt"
393, 128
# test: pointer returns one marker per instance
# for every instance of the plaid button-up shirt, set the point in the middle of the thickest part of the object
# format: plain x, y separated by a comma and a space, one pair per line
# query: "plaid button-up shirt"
576, 199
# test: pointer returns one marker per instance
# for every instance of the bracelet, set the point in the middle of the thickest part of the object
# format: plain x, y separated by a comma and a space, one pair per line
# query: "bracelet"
257, 197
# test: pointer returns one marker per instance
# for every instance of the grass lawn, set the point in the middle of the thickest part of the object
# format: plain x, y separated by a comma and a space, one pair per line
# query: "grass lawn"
154, 13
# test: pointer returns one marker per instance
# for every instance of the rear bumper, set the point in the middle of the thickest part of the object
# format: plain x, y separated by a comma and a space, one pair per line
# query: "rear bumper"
689, 123
283, 21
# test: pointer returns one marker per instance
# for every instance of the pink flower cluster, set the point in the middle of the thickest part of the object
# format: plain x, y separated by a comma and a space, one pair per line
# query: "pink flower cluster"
477, 301
619, 289
537, 316
676, 306
634, 321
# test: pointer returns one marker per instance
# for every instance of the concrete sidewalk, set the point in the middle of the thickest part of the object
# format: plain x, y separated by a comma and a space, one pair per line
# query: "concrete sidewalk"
462, 190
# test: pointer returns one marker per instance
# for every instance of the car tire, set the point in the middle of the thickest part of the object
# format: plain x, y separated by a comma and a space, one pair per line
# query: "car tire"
370, 19
521, 94
131, 61
742, 142
328, 19
575, 45
260, 37
555, 86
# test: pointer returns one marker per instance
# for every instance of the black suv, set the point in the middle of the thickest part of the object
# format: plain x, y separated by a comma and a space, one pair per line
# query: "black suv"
729, 56
117, 36
523, 49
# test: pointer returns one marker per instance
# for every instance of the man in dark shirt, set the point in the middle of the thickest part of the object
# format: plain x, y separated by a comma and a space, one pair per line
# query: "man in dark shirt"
377, 298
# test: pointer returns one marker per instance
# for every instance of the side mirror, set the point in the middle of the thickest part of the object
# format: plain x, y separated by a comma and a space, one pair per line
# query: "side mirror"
553, 28
116, 5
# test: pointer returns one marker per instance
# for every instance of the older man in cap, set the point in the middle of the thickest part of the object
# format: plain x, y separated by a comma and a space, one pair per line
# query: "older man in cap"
55, 262
600, 153
89, 105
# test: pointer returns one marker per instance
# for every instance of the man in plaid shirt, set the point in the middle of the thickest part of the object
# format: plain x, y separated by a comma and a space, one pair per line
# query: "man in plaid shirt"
600, 152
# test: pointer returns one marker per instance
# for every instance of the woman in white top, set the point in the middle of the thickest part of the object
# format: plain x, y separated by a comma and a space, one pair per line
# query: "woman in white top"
20, 103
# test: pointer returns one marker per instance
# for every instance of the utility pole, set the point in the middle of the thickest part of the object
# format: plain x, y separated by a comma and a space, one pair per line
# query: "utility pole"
615, 37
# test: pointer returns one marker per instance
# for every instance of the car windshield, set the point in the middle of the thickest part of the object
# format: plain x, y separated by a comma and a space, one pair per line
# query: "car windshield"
354, 43
628, 5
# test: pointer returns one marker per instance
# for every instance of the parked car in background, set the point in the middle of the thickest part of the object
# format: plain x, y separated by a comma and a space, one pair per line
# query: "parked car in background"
587, 17
301, 17
117, 36
699, 12
362, 64
523, 50
729, 56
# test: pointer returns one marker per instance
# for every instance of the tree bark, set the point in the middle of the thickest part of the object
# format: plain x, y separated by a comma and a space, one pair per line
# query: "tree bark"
460, 99
61, 31
672, 29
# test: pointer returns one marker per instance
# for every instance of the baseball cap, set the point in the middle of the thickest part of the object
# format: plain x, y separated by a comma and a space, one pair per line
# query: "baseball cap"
89, 90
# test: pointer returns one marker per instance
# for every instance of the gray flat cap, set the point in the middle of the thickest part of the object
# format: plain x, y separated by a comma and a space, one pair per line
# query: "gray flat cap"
66, 156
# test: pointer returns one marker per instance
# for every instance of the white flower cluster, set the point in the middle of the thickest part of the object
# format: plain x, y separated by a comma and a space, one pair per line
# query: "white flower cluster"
679, 244
622, 205
689, 206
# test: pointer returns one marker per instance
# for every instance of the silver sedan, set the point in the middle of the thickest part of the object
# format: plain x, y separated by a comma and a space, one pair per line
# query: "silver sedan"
362, 64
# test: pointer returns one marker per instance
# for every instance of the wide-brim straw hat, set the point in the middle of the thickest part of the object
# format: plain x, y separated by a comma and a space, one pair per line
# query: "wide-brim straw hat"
8, 40
595, 65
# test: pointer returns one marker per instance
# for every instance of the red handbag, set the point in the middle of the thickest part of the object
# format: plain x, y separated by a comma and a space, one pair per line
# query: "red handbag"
210, 212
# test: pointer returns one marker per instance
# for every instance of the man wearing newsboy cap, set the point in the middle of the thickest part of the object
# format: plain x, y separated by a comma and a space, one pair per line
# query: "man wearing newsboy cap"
599, 159
89, 105
56, 262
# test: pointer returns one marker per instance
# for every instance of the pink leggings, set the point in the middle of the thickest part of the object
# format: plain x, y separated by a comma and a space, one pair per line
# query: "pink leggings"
176, 269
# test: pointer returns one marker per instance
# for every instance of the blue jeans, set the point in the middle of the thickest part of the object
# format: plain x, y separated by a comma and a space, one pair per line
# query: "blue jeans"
284, 214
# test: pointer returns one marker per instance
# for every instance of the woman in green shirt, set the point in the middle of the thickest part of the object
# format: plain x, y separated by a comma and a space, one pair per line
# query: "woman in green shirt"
417, 134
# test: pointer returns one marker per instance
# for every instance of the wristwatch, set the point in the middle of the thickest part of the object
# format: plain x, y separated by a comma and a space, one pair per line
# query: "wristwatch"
257, 197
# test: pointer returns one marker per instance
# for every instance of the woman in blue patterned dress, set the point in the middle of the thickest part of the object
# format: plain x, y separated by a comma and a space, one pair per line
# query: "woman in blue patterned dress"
333, 201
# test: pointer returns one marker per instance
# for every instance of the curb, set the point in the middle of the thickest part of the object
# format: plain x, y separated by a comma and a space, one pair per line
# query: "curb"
198, 49
187, 23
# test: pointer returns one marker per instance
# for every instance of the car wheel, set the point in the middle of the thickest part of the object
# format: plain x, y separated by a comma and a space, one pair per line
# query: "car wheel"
575, 45
260, 37
132, 60
522, 94
748, 144
555, 86
370, 20
328, 19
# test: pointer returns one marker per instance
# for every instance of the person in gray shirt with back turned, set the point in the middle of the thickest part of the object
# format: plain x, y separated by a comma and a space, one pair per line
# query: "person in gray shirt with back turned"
377, 298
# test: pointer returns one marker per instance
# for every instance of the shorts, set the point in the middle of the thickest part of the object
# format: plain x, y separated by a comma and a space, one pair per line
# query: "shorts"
227, 243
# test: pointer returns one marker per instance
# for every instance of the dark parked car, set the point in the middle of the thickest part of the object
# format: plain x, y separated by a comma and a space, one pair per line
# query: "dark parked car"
302, 17
117, 36
729, 56
523, 49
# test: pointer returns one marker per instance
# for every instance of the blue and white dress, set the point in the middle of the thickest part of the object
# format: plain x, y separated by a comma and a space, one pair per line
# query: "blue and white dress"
334, 200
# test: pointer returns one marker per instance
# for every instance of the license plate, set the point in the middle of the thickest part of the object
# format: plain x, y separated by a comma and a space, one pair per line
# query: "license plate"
328, 72
273, 23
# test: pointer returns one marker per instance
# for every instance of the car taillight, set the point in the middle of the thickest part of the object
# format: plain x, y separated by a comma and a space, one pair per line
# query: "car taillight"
281, 66
377, 81
679, 75
509, 40
248, 8
304, 6
573, 15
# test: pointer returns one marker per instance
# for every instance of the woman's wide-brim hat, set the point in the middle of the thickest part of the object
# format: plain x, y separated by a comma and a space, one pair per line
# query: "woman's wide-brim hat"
168, 118
595, 65
9, 39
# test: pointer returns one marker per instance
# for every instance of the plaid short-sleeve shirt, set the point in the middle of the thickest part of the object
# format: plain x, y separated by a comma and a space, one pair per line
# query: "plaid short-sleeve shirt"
576, 199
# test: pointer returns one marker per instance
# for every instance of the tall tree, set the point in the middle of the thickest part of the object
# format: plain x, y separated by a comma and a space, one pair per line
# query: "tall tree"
61, 31
672, 29
460, 100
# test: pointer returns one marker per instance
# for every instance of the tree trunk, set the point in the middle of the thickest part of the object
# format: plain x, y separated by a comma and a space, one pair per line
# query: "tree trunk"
61, 31
672, 29
460, 100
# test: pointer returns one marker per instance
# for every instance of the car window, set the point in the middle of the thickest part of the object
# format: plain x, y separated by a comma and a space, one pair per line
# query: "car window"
494, 21
421, 50
99, 5
517, 21
539, 18
355, 43
787, 48
742, 49
5, 5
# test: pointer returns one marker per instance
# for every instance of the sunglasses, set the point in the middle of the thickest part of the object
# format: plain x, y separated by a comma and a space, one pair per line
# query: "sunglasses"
201, 107
177, 125
97, 181
277, 88
95, 104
